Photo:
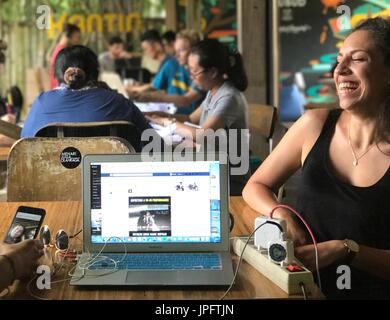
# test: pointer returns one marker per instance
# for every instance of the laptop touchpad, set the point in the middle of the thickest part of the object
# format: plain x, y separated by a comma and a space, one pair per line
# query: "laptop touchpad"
146, 277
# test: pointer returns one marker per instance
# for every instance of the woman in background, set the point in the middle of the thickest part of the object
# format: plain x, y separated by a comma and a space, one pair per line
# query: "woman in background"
221, 73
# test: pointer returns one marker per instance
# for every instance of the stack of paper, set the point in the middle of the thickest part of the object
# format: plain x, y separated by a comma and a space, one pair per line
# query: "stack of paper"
156, 107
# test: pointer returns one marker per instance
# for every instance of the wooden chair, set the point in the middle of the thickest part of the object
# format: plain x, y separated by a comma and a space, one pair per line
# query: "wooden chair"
122, 129
37, 167
262, 121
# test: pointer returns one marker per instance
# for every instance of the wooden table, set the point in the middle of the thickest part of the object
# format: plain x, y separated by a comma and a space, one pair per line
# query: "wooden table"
250, 283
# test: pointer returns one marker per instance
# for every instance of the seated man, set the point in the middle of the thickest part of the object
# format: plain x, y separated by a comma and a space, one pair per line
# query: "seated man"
186, 95
115, 52
166, 78
168, 40
80, 97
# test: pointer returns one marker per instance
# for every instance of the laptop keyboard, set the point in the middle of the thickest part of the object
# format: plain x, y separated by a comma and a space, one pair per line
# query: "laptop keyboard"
160, 261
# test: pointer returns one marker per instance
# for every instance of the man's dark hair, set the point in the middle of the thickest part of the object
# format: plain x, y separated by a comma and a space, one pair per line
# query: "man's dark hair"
115, 40
151, 35
68, 29
169, 36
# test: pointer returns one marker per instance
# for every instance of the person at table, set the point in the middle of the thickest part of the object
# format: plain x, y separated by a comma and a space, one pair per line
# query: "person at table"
80, 97
187, 96
221, 73
168, 39
165, 79
345, 157
71, 35
18, 261
115, 52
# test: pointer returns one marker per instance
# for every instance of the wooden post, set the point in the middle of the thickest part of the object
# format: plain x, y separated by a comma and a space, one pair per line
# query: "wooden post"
171, 19
275, 53
193, 15
190, 14
252, 43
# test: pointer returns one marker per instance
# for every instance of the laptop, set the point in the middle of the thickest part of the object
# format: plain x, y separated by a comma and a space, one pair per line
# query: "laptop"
154, 222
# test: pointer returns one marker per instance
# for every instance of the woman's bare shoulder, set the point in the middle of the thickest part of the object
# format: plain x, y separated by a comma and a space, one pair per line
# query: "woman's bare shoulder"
314, 119
310, 123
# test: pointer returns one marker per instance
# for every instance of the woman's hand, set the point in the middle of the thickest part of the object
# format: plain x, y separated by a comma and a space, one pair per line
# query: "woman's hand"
157, 113
24, 256
294, 230
162, 121
329, 252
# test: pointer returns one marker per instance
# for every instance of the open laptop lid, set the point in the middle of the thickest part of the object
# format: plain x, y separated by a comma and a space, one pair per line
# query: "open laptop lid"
153, 204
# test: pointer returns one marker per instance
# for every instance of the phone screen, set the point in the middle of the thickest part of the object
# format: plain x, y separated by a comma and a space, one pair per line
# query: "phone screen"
24, 226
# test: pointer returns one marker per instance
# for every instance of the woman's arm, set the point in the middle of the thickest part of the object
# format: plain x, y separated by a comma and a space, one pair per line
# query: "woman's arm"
165, 119
6, 273
195, 133
287, 158
374, 261
180, 101
18, 261
370, 260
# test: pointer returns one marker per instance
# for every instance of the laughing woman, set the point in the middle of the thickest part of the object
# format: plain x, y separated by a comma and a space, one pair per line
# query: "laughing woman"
345, 156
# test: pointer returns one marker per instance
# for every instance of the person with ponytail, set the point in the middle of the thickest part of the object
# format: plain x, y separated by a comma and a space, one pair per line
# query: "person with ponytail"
220, 72
80, 97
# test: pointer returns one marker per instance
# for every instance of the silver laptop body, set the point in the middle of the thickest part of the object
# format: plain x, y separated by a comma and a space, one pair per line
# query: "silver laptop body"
154, 208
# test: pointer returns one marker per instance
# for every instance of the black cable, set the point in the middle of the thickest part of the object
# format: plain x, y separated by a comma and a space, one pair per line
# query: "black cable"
76, 234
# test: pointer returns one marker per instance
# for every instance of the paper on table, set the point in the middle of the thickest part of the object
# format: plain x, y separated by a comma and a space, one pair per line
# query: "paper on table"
166, 134
192, 125
156, 106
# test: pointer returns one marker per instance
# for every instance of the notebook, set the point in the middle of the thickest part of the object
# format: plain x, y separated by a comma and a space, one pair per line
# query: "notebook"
155, 221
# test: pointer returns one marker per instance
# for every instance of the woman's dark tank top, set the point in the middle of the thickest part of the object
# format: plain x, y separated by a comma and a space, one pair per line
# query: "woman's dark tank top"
336, 210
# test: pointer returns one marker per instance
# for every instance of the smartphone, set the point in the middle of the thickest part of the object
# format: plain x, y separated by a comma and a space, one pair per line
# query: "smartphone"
25, 225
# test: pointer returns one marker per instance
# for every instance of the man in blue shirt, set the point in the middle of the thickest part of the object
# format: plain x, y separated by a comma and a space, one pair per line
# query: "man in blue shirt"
171, 77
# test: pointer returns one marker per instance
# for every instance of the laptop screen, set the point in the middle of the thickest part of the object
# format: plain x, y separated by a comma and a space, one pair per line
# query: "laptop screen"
155, 202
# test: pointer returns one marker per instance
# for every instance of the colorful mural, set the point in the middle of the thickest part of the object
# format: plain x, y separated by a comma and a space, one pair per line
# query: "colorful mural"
218, 19
311, 35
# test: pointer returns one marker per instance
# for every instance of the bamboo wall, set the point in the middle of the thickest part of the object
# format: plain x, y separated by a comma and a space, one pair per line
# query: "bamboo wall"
29, 47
